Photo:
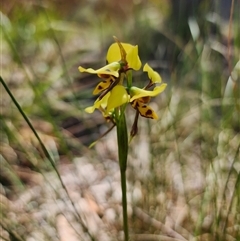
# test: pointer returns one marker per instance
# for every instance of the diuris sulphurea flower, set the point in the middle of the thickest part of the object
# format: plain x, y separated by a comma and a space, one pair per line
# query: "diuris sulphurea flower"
122, 59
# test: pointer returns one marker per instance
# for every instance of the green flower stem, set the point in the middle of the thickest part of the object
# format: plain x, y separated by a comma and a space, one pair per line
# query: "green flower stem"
122, 137
124, 204
129, 79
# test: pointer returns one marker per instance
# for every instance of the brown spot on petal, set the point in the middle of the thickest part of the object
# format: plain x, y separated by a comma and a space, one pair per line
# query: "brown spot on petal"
145, 99
149, 112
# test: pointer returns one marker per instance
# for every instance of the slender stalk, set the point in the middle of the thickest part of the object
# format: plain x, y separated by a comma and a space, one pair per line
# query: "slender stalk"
122, 137
124, 203
46, 153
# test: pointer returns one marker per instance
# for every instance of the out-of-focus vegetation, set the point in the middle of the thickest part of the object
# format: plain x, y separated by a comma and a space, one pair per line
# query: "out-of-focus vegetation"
183, 170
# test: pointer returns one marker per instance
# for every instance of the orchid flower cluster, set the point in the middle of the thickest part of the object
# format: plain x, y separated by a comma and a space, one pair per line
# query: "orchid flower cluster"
113, 92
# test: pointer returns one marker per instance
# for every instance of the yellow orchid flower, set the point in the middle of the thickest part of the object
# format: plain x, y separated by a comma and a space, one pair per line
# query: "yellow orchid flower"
153, 75
132, 58
113, 99
122, 57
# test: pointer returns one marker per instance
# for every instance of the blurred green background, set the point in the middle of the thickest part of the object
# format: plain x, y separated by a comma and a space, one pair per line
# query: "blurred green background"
194, 45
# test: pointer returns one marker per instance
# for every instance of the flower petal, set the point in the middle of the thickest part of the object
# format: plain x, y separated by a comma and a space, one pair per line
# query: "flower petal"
148, 112
114, 54
98, 103
137, 93
103, 85
90, 109
144, 110
133, 59
153, 75
118, 97
110, 69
